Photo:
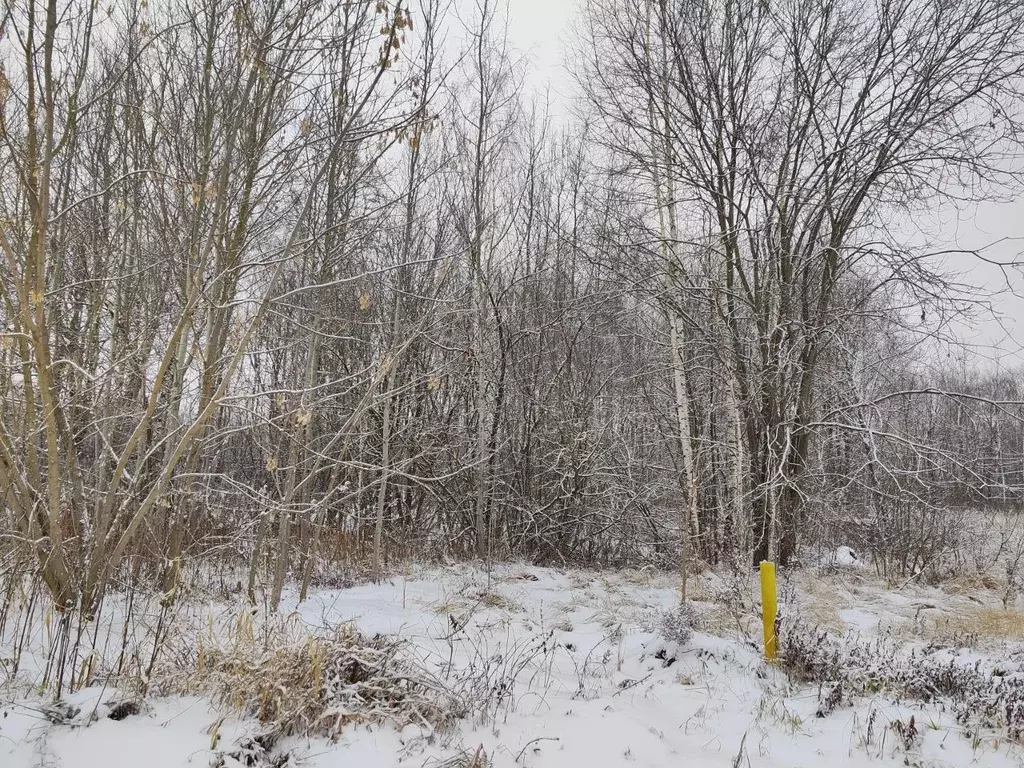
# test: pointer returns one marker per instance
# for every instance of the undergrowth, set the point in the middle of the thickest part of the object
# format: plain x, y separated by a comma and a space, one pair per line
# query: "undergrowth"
297, 683
978, 694
294, 682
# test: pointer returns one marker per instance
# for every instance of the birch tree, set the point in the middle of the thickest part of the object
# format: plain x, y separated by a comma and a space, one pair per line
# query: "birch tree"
794, 128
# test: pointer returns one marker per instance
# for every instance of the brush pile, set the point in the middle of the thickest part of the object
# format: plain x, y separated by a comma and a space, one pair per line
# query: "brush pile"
295, 683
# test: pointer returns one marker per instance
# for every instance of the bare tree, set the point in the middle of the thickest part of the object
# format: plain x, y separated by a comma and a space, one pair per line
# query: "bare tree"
793, 130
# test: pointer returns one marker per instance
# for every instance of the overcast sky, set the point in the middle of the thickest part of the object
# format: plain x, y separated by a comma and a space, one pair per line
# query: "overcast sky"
540, 29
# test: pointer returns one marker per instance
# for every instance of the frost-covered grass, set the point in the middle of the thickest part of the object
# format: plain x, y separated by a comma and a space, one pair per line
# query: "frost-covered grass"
536, 667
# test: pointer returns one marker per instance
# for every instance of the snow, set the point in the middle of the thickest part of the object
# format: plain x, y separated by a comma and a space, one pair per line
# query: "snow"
844, 557
608, 692
170, 734
859, 618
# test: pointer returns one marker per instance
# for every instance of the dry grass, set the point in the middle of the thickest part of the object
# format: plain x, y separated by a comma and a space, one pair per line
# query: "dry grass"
971, 583
498, 601
820, 604
719, 620
579, 579
451, 606
562, 624
698, 590
466, 604
295, 682
978, 622
637, 577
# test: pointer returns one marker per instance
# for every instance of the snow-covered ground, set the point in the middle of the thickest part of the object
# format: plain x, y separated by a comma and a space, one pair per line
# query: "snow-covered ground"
574, 673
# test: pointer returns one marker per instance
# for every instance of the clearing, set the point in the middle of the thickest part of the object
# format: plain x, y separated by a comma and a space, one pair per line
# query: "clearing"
537, 667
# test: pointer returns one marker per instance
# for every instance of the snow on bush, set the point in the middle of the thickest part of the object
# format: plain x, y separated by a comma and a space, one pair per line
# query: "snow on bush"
676, 625
297, 683
981, 694
306, 685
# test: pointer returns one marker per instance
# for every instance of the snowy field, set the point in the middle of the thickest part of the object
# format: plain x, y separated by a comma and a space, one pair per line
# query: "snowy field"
553, 669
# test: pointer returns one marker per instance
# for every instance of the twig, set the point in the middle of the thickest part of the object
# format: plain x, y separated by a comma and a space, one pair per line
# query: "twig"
633, 684
534, 741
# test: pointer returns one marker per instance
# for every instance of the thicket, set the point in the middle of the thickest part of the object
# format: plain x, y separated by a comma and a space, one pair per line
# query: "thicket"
341, 296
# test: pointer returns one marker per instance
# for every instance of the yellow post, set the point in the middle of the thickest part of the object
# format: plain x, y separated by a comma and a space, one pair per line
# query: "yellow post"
769, 608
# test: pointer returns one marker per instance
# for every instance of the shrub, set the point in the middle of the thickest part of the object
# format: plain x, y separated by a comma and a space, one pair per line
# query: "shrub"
985, 695
677, 624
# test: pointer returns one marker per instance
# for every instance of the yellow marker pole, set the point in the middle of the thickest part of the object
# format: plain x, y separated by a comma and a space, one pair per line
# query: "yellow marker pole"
769, 608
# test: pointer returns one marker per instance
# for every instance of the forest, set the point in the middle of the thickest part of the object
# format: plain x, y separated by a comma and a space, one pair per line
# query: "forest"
296, 292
